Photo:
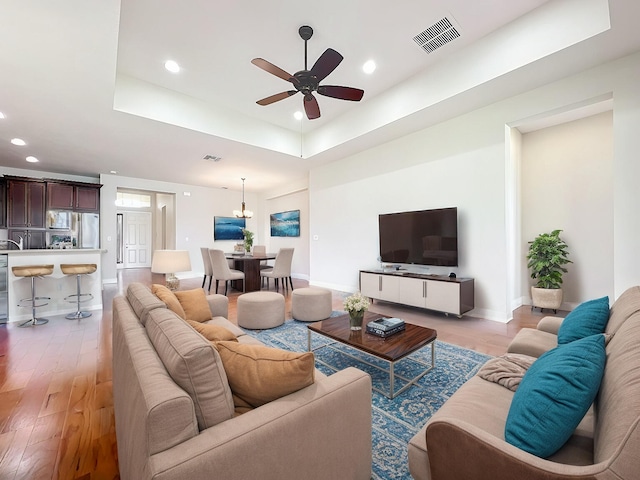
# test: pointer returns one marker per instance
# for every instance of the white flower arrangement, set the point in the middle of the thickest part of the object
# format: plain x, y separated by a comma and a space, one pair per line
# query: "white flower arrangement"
356, 303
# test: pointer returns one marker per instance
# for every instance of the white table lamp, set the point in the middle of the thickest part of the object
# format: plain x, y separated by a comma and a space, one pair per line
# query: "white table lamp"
170, 262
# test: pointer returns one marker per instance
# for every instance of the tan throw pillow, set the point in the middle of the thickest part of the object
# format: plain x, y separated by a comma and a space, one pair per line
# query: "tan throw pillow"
195, 305
213, 333
194, 364
170, 300
259, 374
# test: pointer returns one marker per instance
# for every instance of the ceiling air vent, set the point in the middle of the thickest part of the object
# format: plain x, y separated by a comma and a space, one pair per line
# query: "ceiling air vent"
213, 158
437, 35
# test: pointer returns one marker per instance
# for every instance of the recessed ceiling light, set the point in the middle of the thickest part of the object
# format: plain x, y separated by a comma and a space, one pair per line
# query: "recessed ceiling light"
113, 172
172, 66
31, 159
1, 115
369, 67
298, 115
18, 141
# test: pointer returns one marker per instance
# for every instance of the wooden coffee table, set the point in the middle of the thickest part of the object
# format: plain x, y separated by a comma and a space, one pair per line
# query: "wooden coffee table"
391, 349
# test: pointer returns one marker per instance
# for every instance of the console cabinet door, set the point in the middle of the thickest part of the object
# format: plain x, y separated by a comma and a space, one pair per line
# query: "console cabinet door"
443, 296
380, 287
412, 292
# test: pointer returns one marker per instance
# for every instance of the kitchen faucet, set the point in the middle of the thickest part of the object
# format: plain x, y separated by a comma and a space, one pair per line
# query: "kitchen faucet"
19, 245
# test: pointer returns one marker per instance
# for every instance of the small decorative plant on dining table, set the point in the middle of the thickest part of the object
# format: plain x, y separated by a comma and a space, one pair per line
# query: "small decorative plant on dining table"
248, 239
356, 305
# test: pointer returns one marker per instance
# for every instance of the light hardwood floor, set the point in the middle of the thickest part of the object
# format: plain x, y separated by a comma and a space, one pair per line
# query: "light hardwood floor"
56, 408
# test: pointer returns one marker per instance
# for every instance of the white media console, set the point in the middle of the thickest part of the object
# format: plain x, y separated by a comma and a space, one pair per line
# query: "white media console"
434, 292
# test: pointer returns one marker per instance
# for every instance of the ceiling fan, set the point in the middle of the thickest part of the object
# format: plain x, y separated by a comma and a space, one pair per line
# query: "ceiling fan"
308, 81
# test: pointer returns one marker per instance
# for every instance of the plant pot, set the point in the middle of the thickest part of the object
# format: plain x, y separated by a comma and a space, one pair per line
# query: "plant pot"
355, 320
546, 298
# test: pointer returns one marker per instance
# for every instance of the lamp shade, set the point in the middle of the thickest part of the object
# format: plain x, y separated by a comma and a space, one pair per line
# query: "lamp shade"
170, 261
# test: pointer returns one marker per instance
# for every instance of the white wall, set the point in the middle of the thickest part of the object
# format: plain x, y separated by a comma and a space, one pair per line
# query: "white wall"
282, 203
463, 162
567, 184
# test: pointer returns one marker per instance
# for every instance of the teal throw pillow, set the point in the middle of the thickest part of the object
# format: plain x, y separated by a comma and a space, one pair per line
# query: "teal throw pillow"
554, 395
588, 318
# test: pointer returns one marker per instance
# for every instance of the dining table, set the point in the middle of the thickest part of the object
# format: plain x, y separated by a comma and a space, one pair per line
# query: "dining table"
250, 265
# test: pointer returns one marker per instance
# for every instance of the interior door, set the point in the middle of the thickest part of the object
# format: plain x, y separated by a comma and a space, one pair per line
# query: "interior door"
137, 239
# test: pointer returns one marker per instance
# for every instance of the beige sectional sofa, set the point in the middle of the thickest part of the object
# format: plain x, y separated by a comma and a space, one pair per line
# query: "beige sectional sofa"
319, 432
465, 439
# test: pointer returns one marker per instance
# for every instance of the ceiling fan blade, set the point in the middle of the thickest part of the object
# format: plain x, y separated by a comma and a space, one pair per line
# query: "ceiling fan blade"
277, 97
326, 64
311, 107
343, 93
272, 69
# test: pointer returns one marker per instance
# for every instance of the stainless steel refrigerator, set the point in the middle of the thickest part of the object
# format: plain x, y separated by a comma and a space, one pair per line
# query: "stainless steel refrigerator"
86, 230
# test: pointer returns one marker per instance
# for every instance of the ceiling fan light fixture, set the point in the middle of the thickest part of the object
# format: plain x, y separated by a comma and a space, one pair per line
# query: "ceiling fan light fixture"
298, 115
243, 213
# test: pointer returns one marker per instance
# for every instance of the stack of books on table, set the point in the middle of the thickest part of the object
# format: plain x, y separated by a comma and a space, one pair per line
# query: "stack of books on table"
383, 327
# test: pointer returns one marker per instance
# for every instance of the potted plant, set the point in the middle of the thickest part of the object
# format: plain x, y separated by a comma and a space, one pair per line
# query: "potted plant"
356, 305
546, 258
248, 239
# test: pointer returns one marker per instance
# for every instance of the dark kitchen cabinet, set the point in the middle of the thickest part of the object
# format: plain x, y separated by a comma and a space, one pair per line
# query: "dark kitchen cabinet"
31, 238
69, 196
59, 196
3, 203
87, 199
26, 204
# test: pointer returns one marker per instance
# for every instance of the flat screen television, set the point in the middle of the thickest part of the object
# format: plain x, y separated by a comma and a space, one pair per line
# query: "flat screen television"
424, 237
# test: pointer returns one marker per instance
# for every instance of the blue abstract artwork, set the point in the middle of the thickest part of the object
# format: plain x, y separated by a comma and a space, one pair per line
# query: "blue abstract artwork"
285, 224
228, 228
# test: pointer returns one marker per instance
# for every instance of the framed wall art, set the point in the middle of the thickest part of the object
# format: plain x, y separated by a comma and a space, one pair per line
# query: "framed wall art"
228, 228
285, 224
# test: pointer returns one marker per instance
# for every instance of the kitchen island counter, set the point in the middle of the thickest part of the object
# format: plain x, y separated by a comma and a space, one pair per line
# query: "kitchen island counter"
57, 285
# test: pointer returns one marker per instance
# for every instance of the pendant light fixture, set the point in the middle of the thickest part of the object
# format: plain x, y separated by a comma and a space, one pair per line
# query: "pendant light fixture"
244, 213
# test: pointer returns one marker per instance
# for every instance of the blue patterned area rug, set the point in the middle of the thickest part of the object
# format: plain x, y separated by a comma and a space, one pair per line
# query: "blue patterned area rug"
394, 421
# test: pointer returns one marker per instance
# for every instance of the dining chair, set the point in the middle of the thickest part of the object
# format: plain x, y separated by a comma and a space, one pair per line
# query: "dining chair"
208, 269
281, 268
261, 250
221, 270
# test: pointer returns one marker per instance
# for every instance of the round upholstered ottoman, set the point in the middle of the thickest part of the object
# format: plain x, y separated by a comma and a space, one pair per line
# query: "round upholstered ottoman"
311, 304
259, 310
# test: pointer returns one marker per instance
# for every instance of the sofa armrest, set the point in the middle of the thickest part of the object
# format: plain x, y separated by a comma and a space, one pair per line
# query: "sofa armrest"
550, 324
219, 305
458, 450
322, 431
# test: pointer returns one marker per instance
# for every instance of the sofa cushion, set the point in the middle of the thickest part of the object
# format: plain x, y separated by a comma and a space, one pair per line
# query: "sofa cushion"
195, 305
213, 333
142, 300
588, 318
259, 374
554, 396
194, 364
169, 298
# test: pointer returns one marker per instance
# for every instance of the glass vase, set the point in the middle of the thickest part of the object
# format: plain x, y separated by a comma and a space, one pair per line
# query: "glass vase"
355, 320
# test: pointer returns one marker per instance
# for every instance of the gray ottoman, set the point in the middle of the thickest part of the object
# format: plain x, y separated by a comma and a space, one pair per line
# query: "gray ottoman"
260, 310
311, 304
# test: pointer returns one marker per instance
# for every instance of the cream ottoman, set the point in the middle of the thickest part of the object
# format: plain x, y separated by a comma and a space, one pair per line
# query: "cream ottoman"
259, 310
311, 304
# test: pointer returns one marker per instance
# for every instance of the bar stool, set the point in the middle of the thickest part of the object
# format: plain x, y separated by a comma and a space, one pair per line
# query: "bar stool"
33, 271
78, 269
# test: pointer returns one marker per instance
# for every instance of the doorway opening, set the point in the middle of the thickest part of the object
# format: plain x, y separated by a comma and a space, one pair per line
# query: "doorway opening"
145, 222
